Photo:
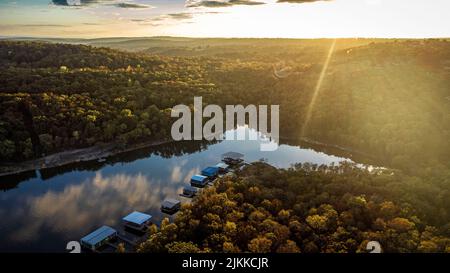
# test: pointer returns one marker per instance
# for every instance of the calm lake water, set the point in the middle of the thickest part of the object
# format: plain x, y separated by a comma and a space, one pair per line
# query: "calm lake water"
43, 210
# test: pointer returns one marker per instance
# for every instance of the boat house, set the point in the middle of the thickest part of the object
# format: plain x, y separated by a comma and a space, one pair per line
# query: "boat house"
223, 167
210, 172
170, 206
189, 191
232, 158
137, 220
98, 238
199, 181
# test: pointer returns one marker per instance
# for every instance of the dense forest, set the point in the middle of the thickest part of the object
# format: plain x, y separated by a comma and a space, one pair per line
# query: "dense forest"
309, 208
58, 97
389, 99
385, 98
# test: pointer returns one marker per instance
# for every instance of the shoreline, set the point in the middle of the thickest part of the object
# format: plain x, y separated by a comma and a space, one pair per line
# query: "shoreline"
106, 150
73, 156
334, 146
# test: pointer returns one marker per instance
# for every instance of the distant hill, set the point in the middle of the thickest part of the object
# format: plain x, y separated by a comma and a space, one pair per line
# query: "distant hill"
158, 44
387, 98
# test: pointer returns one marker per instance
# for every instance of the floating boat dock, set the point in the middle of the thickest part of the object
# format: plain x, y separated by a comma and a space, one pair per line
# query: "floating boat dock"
210, 172
223, 167
139, 222
232, 158
98, 238
199, 181
170, 205
189, 192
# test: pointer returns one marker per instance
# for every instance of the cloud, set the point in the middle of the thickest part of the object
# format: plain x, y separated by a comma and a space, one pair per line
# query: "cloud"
115, 3
126, 5
82, 207
301, 1
42, 25
164, 18
91, 24
221, 3
180, 16
176, 174
60, 2
168, 18
79, 2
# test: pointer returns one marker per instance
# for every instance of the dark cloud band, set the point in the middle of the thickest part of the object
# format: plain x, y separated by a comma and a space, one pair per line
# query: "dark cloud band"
77, 3
219, 4
301, 1
131, 6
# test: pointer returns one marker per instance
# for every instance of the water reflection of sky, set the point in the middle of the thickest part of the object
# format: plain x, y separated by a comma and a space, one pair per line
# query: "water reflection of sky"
43, 215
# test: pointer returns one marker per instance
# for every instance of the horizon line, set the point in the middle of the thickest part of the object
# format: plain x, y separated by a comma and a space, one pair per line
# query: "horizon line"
219, 37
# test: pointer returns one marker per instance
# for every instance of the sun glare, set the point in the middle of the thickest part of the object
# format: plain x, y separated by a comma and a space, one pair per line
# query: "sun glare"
328, 19
336, 19
312, 103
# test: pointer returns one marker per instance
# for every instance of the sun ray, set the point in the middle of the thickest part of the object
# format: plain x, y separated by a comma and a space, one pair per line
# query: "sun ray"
317, 88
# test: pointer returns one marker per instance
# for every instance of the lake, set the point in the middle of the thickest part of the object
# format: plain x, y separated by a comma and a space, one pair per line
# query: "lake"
41, 211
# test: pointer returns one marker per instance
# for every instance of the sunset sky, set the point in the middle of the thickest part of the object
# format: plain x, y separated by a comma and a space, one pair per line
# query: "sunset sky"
225, 18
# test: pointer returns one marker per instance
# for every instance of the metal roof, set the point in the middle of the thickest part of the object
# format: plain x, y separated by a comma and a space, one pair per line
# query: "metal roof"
222, 165
170, 203
232, 155
199, 178
190, 188
210, 171
137, 217
98, 235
